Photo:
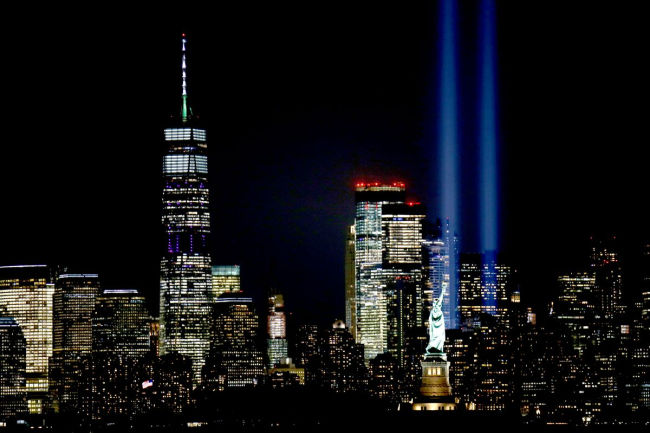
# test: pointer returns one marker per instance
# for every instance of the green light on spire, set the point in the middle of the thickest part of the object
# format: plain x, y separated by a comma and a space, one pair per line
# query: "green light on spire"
185, 111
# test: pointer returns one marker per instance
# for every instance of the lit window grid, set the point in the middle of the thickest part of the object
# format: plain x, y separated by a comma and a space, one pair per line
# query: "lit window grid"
29, 302
185, 164
184, 134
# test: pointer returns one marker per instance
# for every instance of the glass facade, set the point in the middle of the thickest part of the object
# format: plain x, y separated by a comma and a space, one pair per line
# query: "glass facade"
26, 295
13, 399
234, 350
121, 324
371, 302
186, 277
225, 279
277, 347
73, 303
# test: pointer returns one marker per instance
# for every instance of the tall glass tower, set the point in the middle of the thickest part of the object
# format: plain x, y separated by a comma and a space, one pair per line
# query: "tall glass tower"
185, 277
371, 304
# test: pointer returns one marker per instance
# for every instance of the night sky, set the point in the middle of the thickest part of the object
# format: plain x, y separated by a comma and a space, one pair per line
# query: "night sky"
299, 102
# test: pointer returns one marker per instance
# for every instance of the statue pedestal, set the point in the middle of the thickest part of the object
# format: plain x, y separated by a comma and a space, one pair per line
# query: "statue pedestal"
435, 390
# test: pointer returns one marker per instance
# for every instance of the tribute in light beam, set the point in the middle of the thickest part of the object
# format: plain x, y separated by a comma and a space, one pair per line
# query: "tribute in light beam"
448, 150
488, 153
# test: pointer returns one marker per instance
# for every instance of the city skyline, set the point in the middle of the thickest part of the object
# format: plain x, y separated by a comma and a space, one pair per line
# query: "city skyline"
390, 106
376, 226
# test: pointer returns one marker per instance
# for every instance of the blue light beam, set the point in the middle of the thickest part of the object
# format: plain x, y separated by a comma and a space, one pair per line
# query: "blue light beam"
488, 153
448, 147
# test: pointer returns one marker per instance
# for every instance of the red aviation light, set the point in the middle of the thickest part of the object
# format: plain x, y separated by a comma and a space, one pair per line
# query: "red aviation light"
413, 203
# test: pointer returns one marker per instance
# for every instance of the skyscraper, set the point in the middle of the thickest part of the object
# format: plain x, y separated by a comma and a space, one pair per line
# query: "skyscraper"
225, 279
606, 265
371, 305
73, 305
234, 348
350, 292
26, 295
276, 327
12, 368
402, 271
186, 279
121, 324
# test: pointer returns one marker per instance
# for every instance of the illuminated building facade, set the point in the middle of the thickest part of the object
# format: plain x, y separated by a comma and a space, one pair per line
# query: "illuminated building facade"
73, 306
402, 269
339, 365
276, 327
575, 308
186, 278
13, 396
350, 292
26, 295
645, 288
234, 348
474, 287
441, 271
605, 263
225, 279
371, 303
121, 323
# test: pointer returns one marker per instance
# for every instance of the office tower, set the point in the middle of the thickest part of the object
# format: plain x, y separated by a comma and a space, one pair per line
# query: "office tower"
350, 292
575, 308
441, 271
73, 305
154, 336
234, 346
474, 287
225, 279
106, 386
121, 323
186, 279
13, 350
306, 349
276, 327
402, 271
340, 363
371, 308
645, 285
385, 379
606, 266
469, 288
26, 295
163, 384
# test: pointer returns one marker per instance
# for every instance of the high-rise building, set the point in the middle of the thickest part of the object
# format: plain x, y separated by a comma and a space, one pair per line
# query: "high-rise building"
371, 303
606, 265
276, 327
225, 279
576, 309
645, 285
73, 306
350, 292
441, 272
26, 295
186, 279
13, 350
121, 323
480, 280
234, 346
340, 363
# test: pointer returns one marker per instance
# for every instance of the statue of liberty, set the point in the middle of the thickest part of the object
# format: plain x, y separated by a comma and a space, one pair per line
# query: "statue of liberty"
436, 329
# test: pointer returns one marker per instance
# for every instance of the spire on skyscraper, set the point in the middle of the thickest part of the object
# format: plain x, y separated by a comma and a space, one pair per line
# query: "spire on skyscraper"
186, 111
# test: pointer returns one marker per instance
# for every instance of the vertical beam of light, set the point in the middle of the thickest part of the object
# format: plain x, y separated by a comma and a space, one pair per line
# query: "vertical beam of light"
488, 153
448, 148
